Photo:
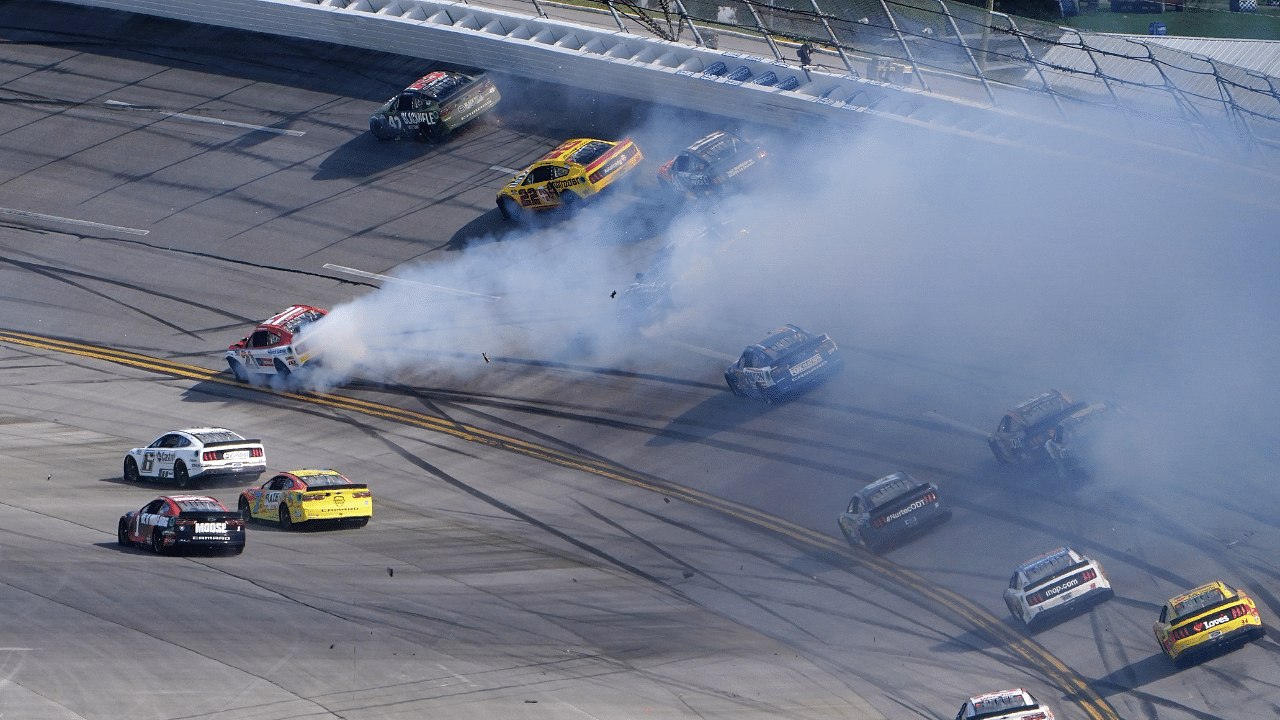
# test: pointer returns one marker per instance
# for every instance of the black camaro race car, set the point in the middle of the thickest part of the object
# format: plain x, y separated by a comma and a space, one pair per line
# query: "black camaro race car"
434, 106
1023, 431
783, 364
891, 509
711, 164
176, 522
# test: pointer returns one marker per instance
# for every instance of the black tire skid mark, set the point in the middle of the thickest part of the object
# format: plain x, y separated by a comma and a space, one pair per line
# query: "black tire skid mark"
1097, 624
55, 273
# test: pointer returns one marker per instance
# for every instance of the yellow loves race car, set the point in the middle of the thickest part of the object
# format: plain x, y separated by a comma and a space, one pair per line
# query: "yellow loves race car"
1209, 617
574, 171
293, 498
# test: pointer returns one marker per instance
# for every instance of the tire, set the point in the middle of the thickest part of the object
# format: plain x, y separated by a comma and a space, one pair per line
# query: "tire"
380, 131
510, 209
854, 538
437, 133
360, 522
237, 369
131, 470
282, 370
157, 542
122, 533
995, 450
569, 202
246, 514
180, 476
286, 520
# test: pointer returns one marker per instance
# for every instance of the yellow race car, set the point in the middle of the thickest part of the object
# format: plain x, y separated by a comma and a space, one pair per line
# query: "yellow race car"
1209, 617
293, 498
575, 171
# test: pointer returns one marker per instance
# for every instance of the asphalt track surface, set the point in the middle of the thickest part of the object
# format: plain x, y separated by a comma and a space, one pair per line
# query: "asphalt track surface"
550, 540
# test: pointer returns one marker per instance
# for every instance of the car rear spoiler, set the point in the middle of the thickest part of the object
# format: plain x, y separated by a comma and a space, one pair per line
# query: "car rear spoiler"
207, 515
350, 486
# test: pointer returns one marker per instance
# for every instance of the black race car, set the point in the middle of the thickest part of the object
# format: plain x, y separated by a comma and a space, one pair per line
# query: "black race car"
891, 509
783, 364
180, 522
707, 166
434, 106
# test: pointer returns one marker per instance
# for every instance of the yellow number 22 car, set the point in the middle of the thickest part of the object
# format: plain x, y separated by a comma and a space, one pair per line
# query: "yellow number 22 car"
1211, 616
576, 170
293, 498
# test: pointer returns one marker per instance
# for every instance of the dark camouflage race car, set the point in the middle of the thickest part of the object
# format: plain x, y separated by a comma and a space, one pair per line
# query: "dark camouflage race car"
890, 510
1023, 431
711, 165
783, 364
434, 106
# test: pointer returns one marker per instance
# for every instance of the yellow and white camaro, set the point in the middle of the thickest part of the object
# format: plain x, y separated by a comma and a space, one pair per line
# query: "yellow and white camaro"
300, 496
574, 171
1211, 616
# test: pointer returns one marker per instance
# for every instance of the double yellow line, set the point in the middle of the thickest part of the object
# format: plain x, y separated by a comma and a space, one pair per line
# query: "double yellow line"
1075, 686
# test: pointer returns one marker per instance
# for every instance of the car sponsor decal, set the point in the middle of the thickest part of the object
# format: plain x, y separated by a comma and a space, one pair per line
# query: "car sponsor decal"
757, 376
1062, 586
559, 185
431, 117
798, 369
922, 502
740, 167
211, 528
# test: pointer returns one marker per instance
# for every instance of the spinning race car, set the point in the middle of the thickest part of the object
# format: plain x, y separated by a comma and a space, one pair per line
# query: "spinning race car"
182, 522
1055, 584
577, 170
194, 454
272, 349
1023, 431
300, 496
783, 364
711, 164
892, 509
434, 106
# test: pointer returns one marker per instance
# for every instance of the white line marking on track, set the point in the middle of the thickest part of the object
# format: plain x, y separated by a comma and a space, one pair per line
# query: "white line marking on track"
203, 119
955, 424
72, 221
388, 278
506, 170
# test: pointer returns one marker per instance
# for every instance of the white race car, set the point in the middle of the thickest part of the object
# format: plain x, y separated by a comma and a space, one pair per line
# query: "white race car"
1055, 583
1016, 704
272, 349
187, 455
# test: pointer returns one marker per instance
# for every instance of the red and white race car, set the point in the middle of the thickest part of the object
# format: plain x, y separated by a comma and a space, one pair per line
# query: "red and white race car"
182, 521
1016, 704
272, 349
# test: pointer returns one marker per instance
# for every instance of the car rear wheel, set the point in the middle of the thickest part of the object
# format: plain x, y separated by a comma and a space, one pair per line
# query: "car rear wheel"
995, 450
510, 209
122, 533
237, 369
286, 520
157, 542
180, 476
569, 201
131, 470
246, 513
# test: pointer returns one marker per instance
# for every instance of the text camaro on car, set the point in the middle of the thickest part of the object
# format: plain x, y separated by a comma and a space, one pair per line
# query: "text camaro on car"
576, 170
184, 456
434, 106
1213, 616
182, 522
1056, 583
891, 509
300, 496
272, 349
783, 364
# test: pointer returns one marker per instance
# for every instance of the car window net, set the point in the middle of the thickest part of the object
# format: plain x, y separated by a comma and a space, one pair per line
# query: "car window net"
889, 491
200, 506
325, 480
1048, 567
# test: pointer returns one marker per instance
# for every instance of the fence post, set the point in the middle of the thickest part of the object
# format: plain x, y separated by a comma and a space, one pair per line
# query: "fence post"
834, 40
684, 16
614, 13
760, 24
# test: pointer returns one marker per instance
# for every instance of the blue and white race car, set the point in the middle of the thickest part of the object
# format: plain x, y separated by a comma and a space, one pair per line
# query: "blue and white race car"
783, 364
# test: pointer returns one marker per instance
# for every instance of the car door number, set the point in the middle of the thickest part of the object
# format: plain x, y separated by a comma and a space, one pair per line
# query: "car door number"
148, 462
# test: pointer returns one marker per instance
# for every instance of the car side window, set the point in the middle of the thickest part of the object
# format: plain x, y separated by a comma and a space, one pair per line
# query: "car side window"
1164, 614
261, 338
278, 482
1004, 424
540, 174
183, 442
1013, 582
745, 360
169, 441
153, 507
682, 163
856, 505
405, 103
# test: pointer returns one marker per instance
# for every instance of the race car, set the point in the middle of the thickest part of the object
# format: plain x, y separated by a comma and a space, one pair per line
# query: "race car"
1073, 444
574, 171
272, 349
1055, 584
1023, 431
892, 509
434, 106
300, 496
180, 522
1016, 704
1211, 617
705, 167
783, 364
194, 454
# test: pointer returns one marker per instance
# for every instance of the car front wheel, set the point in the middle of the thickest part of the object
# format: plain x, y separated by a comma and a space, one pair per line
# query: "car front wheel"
238, 370
510, 209
246, 513
380, 131
131, 470
122, 533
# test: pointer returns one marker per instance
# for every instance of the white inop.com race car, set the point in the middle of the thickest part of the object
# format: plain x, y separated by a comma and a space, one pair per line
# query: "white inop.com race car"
188, 455
1055, 583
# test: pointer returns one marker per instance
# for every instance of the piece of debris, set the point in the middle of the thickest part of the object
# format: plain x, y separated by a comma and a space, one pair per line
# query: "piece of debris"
688, 574
485, 356
391, 572
613, 294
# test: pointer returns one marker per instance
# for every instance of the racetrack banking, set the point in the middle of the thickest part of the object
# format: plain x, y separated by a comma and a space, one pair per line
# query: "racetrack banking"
1074, 686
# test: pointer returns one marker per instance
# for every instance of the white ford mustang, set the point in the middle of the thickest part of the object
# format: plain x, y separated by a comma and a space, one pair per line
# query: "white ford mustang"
186, 455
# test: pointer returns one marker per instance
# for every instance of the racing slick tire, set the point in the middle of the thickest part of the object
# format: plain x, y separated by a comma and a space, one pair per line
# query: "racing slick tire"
995, 450
237, 369
854, 539
122, 533
131, 470
380, 131
286, 520
157, 542
181, 477
436, 133
246, 514
510, 210
282, 370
